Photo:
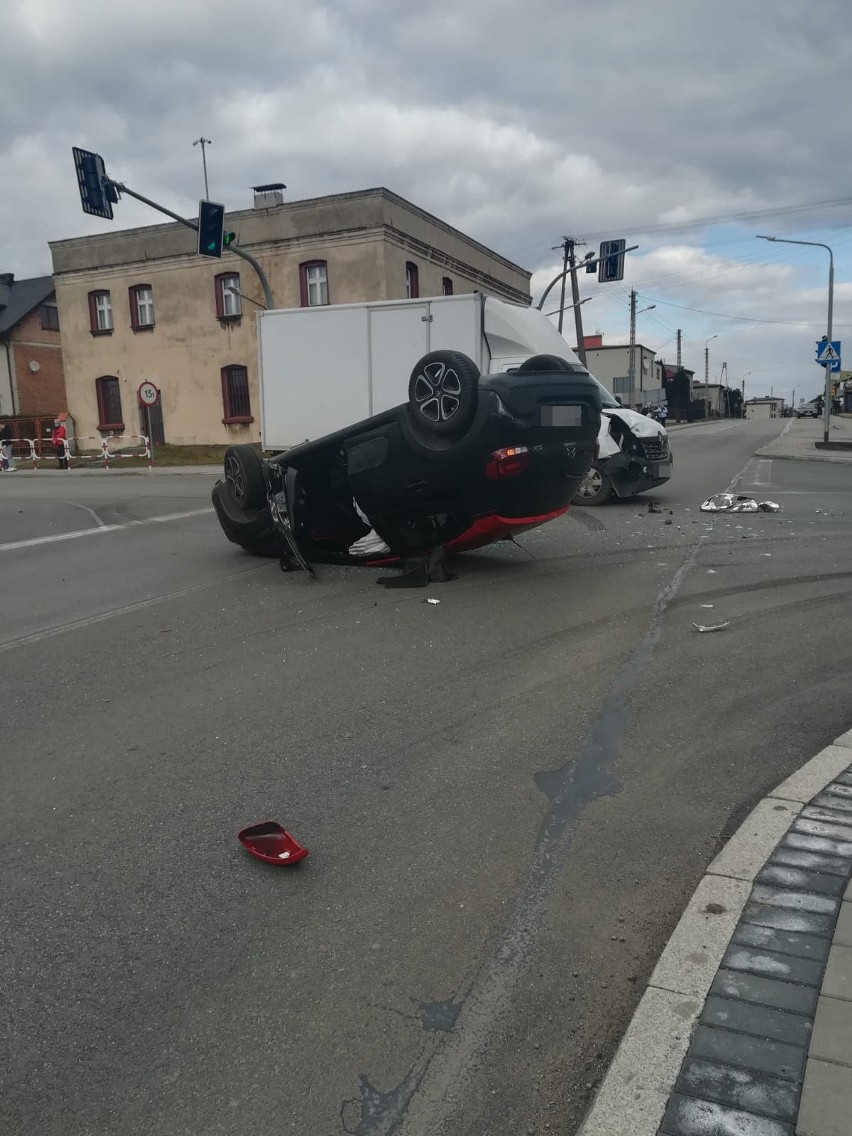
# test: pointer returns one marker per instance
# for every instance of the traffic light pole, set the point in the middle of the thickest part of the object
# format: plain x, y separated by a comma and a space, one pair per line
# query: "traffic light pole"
575, 269
261, 275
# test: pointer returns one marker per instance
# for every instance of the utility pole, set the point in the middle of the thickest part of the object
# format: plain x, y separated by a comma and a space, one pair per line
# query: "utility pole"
204, 143
569, 267
723, 375
631, 360
566, 242
679, 347
578, 311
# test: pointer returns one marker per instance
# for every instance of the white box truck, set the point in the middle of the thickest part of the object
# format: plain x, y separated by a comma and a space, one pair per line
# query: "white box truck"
325, 368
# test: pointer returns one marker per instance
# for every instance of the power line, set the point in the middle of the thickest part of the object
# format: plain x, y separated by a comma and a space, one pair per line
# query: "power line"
752, 214
746, 319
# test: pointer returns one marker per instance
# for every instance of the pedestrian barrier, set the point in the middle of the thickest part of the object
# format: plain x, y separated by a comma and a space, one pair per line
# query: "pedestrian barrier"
38, 450
104, 454
30, 455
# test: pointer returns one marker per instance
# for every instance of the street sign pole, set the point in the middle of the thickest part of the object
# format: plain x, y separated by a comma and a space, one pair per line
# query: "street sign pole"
826, 410
150, 438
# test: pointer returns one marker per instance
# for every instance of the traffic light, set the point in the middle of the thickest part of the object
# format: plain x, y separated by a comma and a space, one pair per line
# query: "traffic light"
211, 226
96, 197
611, 263
229, 239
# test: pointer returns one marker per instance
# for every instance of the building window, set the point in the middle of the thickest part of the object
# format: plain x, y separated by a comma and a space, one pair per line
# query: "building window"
100, 313
49, 314
446, 286
313, 283
235, 395
228, 304
141, 306
412, 281
108, 395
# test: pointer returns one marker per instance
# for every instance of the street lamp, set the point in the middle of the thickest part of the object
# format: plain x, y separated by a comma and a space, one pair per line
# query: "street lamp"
631, 359
818, 244
745, 376
237, 292
568, 307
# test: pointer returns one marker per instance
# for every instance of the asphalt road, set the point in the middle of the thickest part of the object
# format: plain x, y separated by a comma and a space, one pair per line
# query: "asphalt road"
508, 797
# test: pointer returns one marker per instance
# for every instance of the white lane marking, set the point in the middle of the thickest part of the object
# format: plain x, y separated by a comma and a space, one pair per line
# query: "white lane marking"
98, 520
103, 529
101, 617
763, 473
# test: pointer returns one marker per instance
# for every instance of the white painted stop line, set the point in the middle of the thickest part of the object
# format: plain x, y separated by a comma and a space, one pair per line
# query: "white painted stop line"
57, 537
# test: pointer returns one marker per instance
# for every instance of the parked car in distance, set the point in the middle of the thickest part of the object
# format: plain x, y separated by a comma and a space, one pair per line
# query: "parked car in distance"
808, 411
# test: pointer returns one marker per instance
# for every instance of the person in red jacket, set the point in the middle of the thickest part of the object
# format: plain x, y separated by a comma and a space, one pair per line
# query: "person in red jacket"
58, 439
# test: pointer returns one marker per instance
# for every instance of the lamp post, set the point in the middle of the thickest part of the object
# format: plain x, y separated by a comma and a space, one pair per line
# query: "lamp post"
826, 410
237, 292
742, 408
568, 307
707, 371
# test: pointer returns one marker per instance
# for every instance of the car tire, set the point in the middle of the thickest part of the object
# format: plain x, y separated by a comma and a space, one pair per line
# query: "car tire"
244, 476
253, 531
594, 489
443, 392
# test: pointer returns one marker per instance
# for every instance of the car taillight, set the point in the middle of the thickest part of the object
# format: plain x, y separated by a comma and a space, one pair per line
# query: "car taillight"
508, 462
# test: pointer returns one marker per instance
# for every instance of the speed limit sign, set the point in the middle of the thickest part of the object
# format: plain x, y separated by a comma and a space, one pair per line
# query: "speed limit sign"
148, 394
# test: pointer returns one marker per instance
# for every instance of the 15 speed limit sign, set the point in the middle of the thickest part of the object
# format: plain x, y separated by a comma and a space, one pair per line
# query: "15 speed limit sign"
148, 394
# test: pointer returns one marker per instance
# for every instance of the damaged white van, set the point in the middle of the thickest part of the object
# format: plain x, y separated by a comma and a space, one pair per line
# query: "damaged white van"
633, 455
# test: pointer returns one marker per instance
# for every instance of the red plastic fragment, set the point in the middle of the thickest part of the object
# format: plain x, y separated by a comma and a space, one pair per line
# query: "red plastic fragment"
269, 842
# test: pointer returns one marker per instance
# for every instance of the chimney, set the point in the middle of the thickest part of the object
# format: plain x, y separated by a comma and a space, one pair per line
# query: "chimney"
268, 196
7, 279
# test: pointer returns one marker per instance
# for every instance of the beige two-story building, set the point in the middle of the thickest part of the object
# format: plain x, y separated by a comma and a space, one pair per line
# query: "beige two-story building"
141, 305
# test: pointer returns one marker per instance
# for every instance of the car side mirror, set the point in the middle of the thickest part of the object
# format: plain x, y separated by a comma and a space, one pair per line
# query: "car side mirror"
618, 400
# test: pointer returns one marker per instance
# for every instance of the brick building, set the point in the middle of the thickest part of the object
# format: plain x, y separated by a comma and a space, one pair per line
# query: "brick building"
32, 382
141, 305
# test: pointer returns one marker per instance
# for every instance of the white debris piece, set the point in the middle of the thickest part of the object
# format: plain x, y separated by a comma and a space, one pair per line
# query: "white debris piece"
712, 627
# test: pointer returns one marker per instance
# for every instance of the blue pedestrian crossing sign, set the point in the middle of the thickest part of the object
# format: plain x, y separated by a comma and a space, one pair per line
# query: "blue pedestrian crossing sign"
828, 354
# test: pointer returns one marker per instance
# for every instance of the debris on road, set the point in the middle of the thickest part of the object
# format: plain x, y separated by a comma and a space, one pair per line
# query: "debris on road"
269, 842
653, 508
712, 627
738, 503
431, 601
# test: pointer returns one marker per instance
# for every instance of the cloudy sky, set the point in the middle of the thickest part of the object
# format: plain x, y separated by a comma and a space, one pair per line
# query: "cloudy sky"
685, 126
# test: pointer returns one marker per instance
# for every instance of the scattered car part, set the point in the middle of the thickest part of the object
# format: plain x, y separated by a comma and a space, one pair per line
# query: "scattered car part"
712, 627
269, 842
738, 503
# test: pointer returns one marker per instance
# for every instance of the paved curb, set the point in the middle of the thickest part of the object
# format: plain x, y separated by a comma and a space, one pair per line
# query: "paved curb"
633, 1095
817, 455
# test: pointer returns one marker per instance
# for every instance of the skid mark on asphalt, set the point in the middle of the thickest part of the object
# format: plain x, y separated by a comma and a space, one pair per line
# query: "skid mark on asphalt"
57, 537
101, 617
429, 1100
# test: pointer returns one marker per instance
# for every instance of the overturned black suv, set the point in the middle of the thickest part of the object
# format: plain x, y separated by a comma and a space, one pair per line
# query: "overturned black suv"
469, 459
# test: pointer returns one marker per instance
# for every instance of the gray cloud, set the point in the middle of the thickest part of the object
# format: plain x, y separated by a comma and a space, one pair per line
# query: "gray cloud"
514, 121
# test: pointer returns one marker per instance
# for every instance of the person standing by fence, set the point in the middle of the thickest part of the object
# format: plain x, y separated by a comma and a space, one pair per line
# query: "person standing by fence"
58, 438
8, 463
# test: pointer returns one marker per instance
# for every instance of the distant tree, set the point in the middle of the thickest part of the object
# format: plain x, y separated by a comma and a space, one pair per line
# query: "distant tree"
678, 390
735, 402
